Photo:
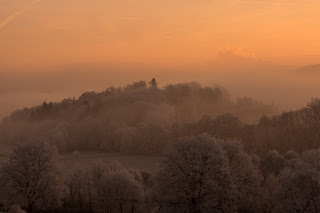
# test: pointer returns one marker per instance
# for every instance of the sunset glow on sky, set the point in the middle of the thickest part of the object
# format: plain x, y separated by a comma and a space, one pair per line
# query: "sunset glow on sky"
49, 32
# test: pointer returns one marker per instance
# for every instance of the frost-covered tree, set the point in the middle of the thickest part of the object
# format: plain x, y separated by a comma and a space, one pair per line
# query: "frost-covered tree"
312, 158
245, 176
116, 190
31, 179
194, 177
273, 162
293, 159
79, 185
299, 191
269, 184
126, 193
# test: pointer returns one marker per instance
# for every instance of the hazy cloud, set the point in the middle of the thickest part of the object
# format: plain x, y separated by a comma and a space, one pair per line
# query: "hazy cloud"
14, 15
236, 52
272, 2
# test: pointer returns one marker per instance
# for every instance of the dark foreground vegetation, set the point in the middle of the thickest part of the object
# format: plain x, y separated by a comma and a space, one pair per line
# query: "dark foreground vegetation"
215, 157
197, 174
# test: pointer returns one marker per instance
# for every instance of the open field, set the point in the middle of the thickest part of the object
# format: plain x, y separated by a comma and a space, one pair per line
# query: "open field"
68, 162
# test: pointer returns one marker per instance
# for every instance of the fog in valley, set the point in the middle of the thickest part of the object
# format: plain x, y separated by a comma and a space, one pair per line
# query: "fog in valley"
287, 87
159, 106
147, 147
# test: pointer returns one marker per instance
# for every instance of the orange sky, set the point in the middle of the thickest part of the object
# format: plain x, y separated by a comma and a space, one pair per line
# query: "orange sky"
49, 32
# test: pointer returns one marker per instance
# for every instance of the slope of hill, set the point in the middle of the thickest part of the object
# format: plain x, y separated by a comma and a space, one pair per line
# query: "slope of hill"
139, 117
310, 69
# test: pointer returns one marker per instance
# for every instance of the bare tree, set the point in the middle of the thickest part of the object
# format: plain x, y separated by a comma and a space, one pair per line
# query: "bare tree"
153, 83
31, 179
78, 184
116, 190
299, 191
245, 175
194, 177
273, 162
312, 158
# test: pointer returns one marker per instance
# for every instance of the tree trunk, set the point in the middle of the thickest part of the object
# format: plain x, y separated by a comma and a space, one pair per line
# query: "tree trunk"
30, 207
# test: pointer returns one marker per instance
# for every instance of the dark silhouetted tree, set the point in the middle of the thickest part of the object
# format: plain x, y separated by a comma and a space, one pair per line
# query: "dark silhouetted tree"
153, 83
194, 177
31, 179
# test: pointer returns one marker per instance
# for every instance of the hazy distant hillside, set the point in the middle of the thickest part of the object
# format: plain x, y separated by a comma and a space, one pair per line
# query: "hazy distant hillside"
28, 87
140, 117
145, 118
310, 69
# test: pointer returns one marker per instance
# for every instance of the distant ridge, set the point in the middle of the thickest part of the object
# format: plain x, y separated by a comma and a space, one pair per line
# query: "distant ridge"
312, 69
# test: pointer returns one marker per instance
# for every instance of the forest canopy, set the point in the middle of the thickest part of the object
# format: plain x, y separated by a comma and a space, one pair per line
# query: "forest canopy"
140, 117
143, 118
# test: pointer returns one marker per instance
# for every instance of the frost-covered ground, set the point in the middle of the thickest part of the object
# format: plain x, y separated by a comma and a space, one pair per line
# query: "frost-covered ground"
68, 162
141, 162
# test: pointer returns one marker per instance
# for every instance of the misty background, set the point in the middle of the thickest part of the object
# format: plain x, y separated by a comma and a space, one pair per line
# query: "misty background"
159, 106
286, 87
53, 50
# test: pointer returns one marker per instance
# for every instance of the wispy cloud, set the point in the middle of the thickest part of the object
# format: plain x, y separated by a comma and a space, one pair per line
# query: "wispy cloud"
14, 15
271, 2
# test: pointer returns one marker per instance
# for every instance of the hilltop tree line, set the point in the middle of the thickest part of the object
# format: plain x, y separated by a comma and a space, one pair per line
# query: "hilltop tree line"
143, 118
140, 117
